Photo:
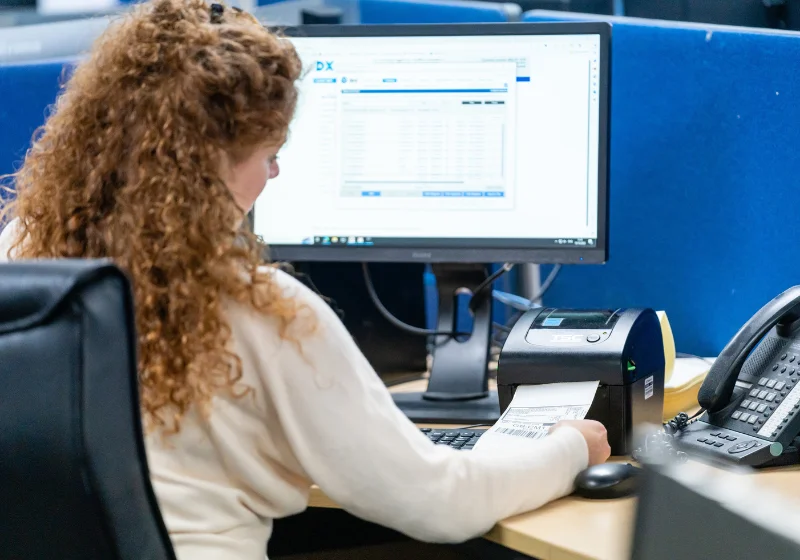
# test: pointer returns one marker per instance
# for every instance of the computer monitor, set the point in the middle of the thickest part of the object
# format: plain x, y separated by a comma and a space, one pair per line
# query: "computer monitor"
456, 145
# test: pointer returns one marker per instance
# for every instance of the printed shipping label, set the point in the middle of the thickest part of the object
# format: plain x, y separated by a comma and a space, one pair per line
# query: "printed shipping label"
535, 409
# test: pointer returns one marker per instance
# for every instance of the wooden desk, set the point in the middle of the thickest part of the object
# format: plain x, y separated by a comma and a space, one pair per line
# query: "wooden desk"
575, 528
568, 529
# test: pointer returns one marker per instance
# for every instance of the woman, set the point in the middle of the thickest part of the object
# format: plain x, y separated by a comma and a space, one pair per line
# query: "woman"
251, 388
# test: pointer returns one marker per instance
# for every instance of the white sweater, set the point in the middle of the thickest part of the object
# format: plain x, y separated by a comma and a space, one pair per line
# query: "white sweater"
320, 415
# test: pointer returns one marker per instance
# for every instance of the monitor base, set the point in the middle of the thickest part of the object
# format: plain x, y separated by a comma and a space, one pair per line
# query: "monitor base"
484, 410
458, 388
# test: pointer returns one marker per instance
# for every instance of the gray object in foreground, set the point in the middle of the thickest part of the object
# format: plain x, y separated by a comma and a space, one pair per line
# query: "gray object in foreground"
693, 513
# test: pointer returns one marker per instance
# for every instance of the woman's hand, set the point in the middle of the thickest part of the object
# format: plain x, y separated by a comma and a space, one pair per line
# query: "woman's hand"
595, 435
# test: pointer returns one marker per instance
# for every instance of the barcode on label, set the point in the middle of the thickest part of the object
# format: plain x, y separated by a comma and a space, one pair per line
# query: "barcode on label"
523, 433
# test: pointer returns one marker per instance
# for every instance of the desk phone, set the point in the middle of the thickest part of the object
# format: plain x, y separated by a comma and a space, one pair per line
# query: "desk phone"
751, 396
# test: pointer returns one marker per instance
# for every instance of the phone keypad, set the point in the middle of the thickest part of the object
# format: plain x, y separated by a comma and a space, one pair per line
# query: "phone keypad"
791, 359
766, 395
717, 439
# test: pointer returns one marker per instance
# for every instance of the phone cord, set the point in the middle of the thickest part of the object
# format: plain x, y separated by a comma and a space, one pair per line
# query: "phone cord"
659, 447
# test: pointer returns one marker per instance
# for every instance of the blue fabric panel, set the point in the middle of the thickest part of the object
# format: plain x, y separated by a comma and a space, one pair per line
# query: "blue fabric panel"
704, 187
430, 11
27, 91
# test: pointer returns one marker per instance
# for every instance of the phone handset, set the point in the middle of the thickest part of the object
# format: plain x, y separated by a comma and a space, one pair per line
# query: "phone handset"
717, 389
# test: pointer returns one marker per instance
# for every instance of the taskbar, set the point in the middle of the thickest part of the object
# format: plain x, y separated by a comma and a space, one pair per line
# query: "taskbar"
340, 241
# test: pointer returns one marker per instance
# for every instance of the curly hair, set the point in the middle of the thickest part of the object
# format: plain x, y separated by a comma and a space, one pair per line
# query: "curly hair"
128, 167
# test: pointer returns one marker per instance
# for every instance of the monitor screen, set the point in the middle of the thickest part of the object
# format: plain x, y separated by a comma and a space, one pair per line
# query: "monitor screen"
444, 143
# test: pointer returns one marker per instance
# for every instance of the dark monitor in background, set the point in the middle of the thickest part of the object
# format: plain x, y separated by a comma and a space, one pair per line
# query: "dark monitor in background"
793, 14
451, 145
322, 15
602, 7
745, 13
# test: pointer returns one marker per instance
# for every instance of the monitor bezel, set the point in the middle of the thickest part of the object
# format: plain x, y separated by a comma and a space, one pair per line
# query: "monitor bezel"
460, 254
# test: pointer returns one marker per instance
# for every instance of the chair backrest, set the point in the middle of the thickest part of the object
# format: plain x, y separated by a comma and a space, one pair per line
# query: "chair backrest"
74, 481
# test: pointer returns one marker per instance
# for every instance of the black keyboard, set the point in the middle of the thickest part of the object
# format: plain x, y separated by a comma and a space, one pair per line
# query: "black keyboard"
457, 439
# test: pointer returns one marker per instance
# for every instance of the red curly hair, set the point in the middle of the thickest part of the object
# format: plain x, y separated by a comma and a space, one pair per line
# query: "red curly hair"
128, 167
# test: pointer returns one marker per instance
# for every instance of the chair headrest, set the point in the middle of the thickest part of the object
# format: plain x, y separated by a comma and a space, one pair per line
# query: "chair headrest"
32, 291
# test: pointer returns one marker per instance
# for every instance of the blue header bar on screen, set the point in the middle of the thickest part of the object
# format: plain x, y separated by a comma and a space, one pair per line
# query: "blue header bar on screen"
499, 90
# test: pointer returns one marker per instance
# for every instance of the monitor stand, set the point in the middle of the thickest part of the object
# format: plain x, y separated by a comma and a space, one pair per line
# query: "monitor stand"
458, 389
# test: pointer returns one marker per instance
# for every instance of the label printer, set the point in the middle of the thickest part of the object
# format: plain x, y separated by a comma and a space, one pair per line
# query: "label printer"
623, 349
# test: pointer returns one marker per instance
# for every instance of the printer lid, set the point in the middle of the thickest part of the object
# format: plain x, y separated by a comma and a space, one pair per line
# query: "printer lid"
551, 345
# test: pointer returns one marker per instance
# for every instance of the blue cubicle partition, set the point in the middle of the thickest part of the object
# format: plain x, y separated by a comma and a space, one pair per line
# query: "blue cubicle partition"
27, 90
704, 176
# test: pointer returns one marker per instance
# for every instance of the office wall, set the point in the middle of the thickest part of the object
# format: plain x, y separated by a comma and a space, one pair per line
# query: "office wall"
704, 177
705, 126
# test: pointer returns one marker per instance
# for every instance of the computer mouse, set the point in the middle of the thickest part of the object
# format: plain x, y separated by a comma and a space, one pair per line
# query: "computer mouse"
607, 481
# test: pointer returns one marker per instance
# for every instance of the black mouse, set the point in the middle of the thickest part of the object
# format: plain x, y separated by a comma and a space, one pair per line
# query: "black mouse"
607, 481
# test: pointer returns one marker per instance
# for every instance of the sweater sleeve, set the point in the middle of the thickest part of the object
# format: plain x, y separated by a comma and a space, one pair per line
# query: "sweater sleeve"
362, 451
7, 239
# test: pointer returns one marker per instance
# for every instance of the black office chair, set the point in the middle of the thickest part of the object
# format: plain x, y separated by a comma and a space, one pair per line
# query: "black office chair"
74, 482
